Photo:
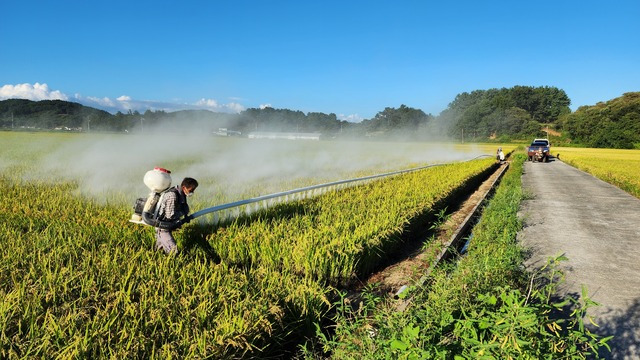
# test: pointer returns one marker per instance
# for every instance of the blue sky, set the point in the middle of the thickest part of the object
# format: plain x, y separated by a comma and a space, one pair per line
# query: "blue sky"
352, 58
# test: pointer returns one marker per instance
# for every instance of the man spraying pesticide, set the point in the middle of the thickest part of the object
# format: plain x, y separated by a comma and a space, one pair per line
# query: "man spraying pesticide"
166, 207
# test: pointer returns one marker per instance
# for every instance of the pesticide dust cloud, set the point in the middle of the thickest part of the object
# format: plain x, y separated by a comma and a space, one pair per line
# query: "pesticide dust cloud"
228, 169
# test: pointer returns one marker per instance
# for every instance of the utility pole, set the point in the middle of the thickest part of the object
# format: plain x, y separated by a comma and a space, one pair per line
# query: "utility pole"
141, 124
463, 135
12, 119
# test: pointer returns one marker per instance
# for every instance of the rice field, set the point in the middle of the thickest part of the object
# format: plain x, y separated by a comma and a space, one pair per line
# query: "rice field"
79, 281
616, 166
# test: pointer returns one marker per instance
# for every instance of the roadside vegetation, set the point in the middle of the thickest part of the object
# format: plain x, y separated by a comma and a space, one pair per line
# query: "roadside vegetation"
618, 167
482, 306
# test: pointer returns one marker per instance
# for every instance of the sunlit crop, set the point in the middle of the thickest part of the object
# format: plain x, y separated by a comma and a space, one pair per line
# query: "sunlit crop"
78, 280
618, 167
341, 235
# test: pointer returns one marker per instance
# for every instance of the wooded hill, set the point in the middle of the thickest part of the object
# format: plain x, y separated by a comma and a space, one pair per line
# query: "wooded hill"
611, 124
516, 112
403, 122
520, 112
49, 114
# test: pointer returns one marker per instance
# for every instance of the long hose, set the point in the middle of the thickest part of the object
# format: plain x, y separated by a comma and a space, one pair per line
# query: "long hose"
310, 188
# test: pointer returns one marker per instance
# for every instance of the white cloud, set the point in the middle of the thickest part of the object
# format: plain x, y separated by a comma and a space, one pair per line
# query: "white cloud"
213, 105
34, 92
123, 103
350, 118
264, 106
210, 103
235, 107
105, 101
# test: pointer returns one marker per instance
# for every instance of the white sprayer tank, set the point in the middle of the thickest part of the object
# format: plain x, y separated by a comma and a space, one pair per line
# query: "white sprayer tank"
158, 179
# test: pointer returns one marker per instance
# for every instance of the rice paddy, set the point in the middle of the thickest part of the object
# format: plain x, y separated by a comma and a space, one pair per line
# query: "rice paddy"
616, 166
80, 281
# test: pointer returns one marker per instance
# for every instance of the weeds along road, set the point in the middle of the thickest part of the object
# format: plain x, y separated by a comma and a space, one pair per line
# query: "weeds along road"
597, 226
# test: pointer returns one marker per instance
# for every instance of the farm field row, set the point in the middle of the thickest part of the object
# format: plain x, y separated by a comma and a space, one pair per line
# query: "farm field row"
79, 281
618, 167
341, 235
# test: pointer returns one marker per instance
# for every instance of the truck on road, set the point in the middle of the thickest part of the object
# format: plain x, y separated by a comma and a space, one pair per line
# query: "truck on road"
539, 150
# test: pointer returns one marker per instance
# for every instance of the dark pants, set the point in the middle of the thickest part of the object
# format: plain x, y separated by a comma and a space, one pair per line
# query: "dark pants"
165, 241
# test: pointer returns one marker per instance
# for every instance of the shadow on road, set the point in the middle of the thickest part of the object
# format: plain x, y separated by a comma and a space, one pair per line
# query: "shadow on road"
623, 325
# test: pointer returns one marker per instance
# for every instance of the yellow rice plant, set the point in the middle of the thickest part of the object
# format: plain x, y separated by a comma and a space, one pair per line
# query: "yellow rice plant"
78, 281
340, 235
619, 167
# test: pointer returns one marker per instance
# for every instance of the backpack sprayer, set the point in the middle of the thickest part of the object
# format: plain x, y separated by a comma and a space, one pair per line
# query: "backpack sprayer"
146, 210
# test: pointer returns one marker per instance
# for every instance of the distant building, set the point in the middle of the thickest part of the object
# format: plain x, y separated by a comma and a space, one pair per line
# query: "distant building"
66, 128
226, 132
284, 135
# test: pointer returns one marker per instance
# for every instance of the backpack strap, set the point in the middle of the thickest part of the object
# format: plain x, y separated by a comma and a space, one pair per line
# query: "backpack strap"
156, 213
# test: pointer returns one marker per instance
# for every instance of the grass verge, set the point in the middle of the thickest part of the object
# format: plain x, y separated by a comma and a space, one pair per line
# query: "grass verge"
483, 306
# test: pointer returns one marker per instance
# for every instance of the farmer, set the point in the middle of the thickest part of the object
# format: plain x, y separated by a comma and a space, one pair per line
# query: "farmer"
173, 207
500, 154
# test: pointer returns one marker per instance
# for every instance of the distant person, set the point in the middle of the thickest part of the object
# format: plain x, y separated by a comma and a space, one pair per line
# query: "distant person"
172, 208
500, 154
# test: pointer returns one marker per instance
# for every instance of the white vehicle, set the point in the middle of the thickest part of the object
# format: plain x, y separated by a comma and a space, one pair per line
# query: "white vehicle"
542, 140
539, 150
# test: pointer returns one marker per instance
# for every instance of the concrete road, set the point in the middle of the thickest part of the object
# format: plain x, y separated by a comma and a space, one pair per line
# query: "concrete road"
597, 226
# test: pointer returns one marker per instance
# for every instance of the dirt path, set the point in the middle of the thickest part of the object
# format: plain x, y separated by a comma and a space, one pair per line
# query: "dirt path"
597, 226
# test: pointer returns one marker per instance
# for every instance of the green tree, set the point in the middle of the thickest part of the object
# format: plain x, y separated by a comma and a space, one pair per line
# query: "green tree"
615, 123
506, 111
401, 120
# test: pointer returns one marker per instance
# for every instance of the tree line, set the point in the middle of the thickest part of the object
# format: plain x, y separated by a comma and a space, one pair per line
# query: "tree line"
402, 122
611, 124
513, 112
519, 112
